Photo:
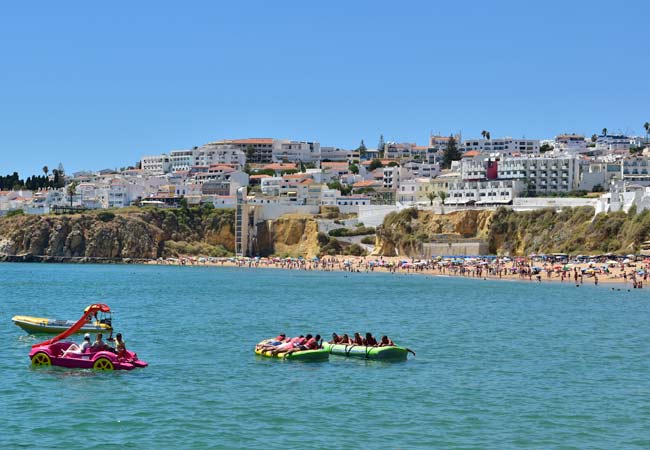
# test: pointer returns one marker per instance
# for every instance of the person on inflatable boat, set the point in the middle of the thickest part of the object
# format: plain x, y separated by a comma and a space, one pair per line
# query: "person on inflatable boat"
311, 343
273, 343
370, 340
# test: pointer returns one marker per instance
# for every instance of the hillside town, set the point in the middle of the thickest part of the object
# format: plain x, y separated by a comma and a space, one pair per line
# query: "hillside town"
609, 172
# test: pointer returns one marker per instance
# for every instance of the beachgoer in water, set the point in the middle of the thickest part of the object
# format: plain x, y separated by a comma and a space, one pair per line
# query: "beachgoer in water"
358, 340
386, 342
370, 340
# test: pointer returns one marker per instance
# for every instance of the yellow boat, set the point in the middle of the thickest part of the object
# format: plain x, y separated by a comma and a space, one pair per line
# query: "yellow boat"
35, 325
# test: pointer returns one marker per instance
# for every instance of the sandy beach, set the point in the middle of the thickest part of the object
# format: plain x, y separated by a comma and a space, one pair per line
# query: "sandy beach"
631, 274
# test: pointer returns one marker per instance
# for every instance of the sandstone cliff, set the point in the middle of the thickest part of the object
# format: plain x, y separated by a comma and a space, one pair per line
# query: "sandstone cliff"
572, 230
404, 232
131, 233
290, 235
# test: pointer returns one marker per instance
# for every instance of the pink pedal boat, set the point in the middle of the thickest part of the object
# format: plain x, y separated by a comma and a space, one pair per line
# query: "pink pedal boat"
53, 352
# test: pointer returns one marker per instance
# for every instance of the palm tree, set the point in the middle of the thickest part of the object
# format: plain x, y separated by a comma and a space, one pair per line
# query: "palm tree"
487, 135
72, 191
604, 131
484, 133
431, 196
442, 195
647, 130
46, 170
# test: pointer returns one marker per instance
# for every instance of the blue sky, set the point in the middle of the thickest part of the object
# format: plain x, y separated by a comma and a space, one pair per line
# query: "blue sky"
96, 85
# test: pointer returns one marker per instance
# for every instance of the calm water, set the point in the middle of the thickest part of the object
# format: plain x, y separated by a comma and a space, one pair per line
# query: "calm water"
499, 365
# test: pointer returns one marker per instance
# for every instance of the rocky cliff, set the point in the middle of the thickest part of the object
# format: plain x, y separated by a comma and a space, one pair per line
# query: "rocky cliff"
131, 233
572, 230
290, 235
404, 232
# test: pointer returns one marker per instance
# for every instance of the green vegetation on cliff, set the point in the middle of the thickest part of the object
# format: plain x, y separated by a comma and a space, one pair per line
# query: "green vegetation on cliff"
121, 233
571, 230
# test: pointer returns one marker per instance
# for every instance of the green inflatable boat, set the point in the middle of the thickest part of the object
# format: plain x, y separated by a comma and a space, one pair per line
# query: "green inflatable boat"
361, 351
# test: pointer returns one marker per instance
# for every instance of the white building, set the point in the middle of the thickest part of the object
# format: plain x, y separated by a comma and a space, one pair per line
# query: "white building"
394, 150
156, 164
613, 144
636, 170
182, 160
423, 169
415, 191
271, 185
570, 143
338, 154
501, 192
541, 174
220, 153
504, 146
622, 197
295, 151
393, 176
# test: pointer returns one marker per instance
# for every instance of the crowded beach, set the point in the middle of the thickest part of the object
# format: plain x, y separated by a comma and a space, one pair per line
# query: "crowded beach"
631, 270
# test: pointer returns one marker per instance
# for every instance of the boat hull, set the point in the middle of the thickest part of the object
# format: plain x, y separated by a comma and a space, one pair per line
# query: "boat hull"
37, 325
392, 353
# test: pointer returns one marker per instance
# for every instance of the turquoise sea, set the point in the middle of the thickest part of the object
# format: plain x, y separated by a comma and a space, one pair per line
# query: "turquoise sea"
499, 364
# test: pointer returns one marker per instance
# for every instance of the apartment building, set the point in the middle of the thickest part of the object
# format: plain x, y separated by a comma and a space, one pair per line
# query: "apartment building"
182, 160
541, 174
609, 143
337, 154
570, 143
486, 193
295, 151
636, 170
504, 146
155, 164
415, 191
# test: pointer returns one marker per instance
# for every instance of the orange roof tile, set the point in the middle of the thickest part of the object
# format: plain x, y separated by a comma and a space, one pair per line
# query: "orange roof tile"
252, 141
295, 176
366, 183
334, 165
471, 154
278, 166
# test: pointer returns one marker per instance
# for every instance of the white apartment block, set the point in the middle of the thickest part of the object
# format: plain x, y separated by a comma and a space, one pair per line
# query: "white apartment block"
423, 169
636, 170
271, 185
394, 150
613, 144
570, 143
473, 168
156, 164
415, 191
495, 192
393, 176
504, 146
182, 160
542, 174
338, 154
220, 153
295, 151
